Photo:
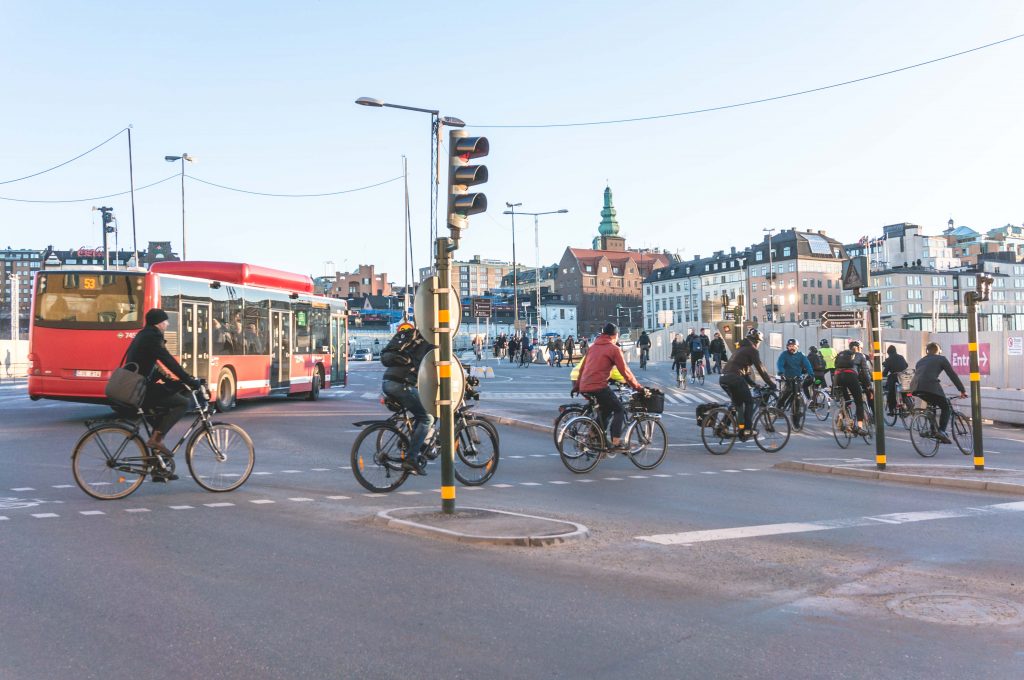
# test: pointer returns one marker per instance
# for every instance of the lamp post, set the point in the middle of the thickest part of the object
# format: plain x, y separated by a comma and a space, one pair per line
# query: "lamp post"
771, 276
515, 276
171, 159
536, 246
436, 121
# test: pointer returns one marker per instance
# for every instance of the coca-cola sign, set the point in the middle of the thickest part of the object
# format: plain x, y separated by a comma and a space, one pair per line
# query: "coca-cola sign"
90, 252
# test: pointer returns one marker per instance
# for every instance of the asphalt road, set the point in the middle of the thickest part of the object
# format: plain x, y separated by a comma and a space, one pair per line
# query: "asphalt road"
707, 567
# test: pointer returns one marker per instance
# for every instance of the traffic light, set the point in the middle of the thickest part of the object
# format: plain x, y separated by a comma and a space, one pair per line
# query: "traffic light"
461, 175
108, 218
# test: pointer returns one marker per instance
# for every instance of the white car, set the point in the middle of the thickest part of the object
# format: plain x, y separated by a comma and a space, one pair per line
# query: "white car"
362, 354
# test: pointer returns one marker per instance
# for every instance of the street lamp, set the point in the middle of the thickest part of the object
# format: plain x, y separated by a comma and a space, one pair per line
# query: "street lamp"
771, 276
536, 245
515, 278
436, 121
171, 159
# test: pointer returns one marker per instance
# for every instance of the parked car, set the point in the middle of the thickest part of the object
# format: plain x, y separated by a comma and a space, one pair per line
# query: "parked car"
362, 354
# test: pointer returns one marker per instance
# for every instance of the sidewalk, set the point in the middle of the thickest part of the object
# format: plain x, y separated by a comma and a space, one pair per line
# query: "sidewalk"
1003, 480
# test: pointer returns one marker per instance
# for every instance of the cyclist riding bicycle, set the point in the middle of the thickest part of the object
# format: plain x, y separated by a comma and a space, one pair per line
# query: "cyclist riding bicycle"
893, 365
680, 354
696, 345
603, 356
644, 344
736, 380
164, 377
401, 357
817, 362
851, 373
793, 364
829, 355
926, 385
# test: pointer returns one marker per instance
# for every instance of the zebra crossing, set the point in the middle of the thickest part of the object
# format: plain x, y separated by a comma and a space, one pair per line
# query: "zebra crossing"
690, 396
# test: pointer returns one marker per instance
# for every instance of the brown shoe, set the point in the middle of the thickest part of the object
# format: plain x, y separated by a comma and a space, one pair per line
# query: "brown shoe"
156, 443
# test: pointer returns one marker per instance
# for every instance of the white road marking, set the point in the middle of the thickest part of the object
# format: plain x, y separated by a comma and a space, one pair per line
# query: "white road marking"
261, 501
44, 515
730, 470
691, 537
181, 507
321, 470
584, 481
301, 500
290, 472
3, 518
613, 479
529, 484
697, 444
136, 509
538, 455
661, 475
638, 476
62, 486
218, 505
558, 482
91, 512
409, 493
515, 456
23, 488
708, 472
345, 498
263, 473
502, 486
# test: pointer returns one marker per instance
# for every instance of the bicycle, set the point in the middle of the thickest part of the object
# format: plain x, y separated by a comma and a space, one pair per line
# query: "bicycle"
821, 401
924, 429
583, 441
719, 425
644, 352
111, 460
681, 374
792, 398
698, 373
381, 448
844, 424
904, 407
567, 411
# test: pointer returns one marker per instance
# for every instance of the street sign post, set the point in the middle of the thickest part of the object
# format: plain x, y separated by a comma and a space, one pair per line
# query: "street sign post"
853, 318
425, 312
481, 307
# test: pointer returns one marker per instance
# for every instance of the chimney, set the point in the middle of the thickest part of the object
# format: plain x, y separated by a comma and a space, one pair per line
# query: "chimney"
732, 251
821, 232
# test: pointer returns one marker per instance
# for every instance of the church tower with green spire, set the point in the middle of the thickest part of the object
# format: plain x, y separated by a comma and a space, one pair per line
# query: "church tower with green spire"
608, 232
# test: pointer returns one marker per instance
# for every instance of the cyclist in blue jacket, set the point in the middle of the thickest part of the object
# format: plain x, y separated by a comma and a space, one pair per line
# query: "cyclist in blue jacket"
793, 364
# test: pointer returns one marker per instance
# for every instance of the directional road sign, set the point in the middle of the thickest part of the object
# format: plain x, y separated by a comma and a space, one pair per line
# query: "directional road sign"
832, 318
481, 307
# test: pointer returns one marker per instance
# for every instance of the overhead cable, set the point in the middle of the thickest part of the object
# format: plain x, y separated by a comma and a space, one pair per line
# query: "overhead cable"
41, 172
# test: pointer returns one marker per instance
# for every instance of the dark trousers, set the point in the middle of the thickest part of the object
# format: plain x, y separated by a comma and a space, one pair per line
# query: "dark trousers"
890, 393
610, 405
739, 391
169, 402
851, 383
718, 362
940, 400
409, 397
696, 358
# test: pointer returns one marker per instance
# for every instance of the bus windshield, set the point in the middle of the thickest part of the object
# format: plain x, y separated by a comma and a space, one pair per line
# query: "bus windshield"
90, 300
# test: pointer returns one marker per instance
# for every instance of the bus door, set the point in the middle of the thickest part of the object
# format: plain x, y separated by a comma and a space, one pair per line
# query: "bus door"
195, 337
280, 348
339, 348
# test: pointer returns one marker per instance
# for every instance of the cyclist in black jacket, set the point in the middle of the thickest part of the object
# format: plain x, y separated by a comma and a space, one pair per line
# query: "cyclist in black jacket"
736, 380
851, 374
402, 357
893, 365
149, 351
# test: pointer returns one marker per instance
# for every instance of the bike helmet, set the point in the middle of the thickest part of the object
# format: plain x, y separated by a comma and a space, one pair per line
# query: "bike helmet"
792, 341
405, 326
754, 335
855, 343
823, 342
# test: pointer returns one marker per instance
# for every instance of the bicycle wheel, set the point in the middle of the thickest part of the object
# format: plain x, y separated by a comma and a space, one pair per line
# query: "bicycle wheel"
906, 412
842, 426
580, 444
570, 411
891, 413
922, 435
220, 458
700, 376
820, 405
771, 427
718, 431
647, 443
799, 413
963, 435
108, 462
377, 458
476, 452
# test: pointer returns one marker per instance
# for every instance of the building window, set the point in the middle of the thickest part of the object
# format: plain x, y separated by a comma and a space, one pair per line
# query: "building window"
785, 251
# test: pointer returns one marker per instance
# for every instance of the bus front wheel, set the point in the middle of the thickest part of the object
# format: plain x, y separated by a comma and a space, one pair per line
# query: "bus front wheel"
314, 386
225, 390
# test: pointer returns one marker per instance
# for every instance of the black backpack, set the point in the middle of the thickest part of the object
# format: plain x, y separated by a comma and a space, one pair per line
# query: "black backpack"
696, 345
844, 359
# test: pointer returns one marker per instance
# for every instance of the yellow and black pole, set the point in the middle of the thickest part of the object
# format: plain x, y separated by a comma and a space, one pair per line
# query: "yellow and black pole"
874, 302
971, 299
443, 334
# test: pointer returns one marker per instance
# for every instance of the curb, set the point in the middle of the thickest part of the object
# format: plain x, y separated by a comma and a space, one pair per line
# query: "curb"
525, 424
972, 484
578, 532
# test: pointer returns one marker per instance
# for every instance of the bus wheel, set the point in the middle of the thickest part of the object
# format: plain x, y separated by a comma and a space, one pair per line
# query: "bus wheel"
225, 390
314, 386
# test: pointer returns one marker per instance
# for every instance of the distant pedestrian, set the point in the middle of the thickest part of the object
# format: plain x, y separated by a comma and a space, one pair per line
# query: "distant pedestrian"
583, 347
7, 364
570, 349
706, 342
559, 351
551, 351
513, 349
718, 352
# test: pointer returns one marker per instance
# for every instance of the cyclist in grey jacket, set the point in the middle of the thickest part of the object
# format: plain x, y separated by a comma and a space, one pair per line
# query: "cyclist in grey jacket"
926, 384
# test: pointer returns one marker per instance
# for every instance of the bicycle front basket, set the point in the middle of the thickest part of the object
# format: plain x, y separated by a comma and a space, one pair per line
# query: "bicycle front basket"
652, 402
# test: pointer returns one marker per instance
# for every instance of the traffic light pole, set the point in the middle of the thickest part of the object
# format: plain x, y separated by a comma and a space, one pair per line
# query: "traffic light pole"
443, 337
971, 299
874, 300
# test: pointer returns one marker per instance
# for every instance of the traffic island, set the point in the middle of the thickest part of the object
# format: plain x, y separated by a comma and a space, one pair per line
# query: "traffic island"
956, 476
479, 525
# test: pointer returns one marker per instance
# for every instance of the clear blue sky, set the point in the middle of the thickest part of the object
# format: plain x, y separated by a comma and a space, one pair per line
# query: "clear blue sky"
262, 95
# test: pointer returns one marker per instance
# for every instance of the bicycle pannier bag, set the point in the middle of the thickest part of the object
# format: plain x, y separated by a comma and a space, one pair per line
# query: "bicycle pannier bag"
126, 386
703, 409
653, 403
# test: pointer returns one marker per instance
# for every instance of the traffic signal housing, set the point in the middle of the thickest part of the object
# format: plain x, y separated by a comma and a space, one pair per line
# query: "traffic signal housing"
461, 175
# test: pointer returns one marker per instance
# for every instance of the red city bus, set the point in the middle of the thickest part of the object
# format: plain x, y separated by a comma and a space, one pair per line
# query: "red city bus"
250, 331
